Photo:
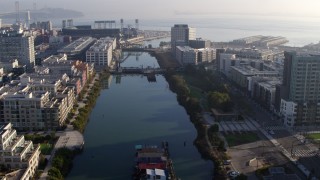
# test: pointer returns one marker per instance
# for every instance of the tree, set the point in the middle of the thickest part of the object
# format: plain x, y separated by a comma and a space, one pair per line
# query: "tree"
55, 174
214, 128
58, 162
220, 100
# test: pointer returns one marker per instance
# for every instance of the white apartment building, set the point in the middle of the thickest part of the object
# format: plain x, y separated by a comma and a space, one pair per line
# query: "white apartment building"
101, 52
206, 55
17, 154
186, 55
29, 109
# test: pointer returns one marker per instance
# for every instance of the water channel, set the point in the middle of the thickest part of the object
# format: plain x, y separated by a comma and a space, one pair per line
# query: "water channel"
134, 111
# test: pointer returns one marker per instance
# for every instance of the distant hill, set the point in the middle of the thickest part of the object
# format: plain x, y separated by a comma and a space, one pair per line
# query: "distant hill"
47, 13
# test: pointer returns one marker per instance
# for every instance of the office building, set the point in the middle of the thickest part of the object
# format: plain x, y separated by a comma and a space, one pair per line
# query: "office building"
300, 90
18, 47
180, 35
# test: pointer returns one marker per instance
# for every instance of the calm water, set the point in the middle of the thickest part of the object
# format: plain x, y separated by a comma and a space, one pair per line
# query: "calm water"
132, 112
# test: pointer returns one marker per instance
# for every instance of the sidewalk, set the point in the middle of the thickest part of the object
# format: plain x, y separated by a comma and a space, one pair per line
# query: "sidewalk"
277, 144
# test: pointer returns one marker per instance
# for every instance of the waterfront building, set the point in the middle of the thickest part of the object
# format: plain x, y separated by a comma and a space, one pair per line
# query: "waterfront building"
300, 92
186, 55
263, 41
17, 154
77, 49
28, 109
180, 35
254, 53
101, 52
20, 47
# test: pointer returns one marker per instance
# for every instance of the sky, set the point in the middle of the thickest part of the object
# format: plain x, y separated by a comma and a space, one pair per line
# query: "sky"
162, 9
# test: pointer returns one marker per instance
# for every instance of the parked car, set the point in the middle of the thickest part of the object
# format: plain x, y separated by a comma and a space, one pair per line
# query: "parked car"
271, 132
233, 174
226, 162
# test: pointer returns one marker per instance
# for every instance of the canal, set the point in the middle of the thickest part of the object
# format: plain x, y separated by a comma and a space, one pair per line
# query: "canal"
133, 111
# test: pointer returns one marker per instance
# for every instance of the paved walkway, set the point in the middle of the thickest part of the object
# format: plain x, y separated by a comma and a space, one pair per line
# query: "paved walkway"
70, 138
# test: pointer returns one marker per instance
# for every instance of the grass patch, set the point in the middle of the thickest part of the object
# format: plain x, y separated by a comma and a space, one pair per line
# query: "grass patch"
315, 136
195, 92
46, 148
238, 139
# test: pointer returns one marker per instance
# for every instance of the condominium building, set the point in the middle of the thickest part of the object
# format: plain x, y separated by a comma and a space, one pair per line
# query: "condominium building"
36, 110
300, 90
17, 154
101, 52
206, 55
263, 90
186, 55
18, 47
180, 35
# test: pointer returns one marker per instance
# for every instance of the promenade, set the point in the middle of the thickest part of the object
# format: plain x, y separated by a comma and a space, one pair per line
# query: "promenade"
69, 138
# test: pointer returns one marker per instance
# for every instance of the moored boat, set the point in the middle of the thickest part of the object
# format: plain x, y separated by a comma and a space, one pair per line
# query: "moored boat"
153, 162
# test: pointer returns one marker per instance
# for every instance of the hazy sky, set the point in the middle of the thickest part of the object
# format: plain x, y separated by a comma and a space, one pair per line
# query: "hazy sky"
148, 9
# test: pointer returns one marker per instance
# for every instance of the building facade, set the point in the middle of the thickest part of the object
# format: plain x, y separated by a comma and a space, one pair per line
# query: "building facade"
180, 35
301, 89
186, 55
18, 154
18, 47
101, 52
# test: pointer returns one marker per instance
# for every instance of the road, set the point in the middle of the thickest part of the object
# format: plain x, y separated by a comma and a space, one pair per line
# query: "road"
304, 153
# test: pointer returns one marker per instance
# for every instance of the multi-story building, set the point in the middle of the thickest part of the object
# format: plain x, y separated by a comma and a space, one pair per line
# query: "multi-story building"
101, 52
180, 35
263, 90
17, 154
186, 55
300, 90
19, 47
9, 65
36, 110
77, 49
46, 25
199, 43
241, 75
206, 55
